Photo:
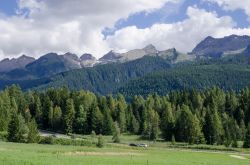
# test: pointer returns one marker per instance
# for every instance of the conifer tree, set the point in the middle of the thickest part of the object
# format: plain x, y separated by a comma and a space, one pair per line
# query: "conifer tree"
116, 134
167, 122
57, 118
97, 120
17, 129
247, 138
69, 116
33, 135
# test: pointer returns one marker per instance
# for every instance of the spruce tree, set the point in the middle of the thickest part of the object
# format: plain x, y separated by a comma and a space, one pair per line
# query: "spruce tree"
33, 135
107, 122
167, 122
57, 118
247, 138
116, 134
69, 116
81, 120
17, 129
97, 120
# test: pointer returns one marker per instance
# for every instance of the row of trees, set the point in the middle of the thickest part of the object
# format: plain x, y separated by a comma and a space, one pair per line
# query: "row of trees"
211, 116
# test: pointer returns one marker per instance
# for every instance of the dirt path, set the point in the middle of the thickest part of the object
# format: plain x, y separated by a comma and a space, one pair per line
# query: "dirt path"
237, 157
103, 153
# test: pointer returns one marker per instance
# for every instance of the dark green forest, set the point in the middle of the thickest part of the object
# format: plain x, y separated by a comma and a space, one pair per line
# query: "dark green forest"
211, 116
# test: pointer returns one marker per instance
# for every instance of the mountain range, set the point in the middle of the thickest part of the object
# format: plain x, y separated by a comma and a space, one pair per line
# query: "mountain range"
136, 71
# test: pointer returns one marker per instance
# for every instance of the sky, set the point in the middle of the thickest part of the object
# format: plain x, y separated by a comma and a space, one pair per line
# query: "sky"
37, 27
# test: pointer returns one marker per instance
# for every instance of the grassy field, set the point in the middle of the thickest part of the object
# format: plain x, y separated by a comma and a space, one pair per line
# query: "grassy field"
35, 154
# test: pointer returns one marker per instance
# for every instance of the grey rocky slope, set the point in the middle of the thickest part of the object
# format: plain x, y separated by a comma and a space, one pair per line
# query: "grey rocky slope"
217, 47
15, 63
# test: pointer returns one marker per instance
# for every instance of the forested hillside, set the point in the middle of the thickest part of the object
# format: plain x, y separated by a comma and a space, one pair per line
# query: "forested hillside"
156, 75
210, 116
105, 79
225, 76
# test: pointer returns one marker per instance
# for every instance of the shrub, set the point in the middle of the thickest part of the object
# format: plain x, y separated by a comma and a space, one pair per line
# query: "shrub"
100, 142
46, 140
3, 136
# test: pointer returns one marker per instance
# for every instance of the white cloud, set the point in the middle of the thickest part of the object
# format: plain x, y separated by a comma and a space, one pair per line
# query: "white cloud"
76, 26
63, 25
182, 35
232, 5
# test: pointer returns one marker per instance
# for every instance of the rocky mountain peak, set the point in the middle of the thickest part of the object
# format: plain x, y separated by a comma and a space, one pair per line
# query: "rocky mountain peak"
87, 56
150, 49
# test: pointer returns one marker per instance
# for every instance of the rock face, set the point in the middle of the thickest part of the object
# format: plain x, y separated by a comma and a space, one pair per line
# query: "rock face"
110, 57
138, 53
247, 50
7, 64
88, 60
171, 54
47, 65
71, 61
216, 47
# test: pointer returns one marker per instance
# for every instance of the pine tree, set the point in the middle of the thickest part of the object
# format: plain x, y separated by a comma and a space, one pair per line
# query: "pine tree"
38, 110
33, 135
5, 111
93, 136
121, 112
247, 138
46, 107
167, 123
97, 120
69, 116
57, 118
116, 134
81, 120
188, 127
151, 124
213, 129
17, 129
50, 118
108, 122
197, 135
135, 125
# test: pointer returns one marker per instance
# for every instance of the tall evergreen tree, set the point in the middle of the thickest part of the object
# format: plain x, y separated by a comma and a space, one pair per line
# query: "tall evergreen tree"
116, 134
33, 135
69, 116
97, 120
81, 120
247, 138
57, 118
213, 128
167, 122
17, 129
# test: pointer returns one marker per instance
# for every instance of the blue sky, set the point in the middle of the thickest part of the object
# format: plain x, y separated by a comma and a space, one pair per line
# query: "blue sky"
88, 26
171, 13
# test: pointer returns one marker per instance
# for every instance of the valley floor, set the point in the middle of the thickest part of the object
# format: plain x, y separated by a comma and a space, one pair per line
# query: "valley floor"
35, 154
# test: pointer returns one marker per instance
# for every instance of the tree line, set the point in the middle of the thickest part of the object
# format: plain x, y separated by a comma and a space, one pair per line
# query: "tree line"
211, 116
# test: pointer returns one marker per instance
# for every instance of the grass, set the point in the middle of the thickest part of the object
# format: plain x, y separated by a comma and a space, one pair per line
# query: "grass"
158, 154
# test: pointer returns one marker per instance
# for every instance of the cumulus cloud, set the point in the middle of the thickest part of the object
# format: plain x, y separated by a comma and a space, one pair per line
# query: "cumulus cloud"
46, 26
232, 5
184, 35
59, 26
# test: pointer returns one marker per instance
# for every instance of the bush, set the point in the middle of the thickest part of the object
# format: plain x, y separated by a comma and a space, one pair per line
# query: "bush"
3, 136
46, 140
63, 141
100, 142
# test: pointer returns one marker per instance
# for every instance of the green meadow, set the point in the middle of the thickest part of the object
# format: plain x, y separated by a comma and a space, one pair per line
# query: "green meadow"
122, 154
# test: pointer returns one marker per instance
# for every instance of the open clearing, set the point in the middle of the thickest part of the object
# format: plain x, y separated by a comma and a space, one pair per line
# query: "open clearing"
35, 154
